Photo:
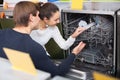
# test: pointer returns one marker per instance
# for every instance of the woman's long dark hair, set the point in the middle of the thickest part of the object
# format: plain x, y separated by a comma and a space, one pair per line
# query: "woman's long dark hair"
46, 9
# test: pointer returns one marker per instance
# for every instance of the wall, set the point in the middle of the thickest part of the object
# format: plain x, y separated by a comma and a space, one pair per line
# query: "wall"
11, 3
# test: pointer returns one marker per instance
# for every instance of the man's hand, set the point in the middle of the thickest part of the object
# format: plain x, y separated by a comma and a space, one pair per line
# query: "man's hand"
78, 48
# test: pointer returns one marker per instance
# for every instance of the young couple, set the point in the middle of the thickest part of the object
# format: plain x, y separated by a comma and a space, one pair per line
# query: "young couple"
28, 18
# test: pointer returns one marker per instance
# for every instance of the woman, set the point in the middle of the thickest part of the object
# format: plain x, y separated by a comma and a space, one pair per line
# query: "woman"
26, 17
50, 15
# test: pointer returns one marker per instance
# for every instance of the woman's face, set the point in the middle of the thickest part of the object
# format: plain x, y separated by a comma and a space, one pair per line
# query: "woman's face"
54, 19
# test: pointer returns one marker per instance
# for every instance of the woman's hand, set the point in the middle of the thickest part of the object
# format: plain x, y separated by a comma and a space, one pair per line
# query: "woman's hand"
78, 31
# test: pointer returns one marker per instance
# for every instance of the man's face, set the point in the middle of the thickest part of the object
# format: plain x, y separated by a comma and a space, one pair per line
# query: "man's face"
36, 20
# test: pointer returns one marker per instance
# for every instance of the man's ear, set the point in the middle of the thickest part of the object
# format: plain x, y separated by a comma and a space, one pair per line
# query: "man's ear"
31, 17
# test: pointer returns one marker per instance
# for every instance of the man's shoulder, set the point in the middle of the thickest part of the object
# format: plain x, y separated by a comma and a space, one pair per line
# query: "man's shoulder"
3, 31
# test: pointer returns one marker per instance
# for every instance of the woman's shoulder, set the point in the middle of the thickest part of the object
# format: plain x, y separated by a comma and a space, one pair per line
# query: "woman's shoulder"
53, 28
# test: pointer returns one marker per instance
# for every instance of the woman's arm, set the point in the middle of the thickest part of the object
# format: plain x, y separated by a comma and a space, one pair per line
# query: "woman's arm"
64, 44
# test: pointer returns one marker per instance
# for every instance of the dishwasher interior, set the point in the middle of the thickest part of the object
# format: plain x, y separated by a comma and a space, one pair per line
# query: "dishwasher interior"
99, 53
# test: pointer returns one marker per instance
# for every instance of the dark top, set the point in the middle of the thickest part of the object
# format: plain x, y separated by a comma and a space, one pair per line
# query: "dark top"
23, 42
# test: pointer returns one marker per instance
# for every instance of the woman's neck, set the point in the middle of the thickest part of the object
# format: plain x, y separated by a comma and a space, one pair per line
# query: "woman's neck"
42, 25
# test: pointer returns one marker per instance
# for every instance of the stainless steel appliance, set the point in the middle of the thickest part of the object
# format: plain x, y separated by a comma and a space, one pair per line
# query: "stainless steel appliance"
102, 40
118, 45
